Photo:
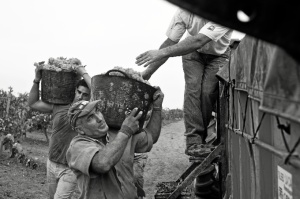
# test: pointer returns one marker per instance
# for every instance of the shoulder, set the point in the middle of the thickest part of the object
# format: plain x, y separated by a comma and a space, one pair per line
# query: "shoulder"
60, 108
214, 31
183, 15
82, 146
84, 140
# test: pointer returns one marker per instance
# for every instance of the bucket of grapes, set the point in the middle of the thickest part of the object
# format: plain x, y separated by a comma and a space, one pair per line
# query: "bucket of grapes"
59, 81
120, 90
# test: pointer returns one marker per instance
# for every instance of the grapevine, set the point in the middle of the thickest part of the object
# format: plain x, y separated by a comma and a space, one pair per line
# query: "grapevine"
20, 118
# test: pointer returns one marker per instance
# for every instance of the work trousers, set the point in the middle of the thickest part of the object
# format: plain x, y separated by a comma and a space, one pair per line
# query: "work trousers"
201, 89
139, 163
61, 180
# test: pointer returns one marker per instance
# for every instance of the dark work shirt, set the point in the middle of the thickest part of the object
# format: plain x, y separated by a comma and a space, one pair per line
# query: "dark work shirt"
62, 134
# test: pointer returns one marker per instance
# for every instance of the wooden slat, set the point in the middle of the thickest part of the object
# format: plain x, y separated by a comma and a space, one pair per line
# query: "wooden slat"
195, 172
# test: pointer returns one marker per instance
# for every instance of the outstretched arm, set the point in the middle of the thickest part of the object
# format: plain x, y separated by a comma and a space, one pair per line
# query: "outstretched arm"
184, 47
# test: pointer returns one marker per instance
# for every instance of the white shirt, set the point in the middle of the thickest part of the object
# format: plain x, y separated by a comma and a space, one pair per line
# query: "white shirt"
185, 21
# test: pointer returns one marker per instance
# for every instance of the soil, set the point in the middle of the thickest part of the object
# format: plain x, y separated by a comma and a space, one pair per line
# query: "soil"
166, 162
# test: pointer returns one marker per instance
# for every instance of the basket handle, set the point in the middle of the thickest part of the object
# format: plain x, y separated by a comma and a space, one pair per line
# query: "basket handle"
115, 70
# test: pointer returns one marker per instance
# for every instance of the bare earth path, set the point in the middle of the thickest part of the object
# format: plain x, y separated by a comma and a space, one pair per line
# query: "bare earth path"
166, 162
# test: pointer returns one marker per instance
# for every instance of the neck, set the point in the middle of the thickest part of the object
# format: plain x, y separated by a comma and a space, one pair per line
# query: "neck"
104, 139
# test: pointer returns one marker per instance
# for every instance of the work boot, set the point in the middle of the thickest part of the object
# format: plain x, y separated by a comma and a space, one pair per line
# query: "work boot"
192, 140
196, 147
200, 150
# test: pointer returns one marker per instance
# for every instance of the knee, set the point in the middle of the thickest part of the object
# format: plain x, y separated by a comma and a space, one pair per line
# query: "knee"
209, 92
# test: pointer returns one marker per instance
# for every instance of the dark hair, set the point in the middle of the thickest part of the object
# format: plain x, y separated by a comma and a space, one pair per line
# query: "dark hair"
82, 83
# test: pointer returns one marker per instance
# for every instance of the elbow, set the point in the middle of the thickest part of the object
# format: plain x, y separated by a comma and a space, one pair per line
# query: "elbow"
31, 105
104, 169
31, 102
103, 166
200, 40
155, 139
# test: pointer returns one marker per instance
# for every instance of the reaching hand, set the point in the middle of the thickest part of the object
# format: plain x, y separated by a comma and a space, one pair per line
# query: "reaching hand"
131, 122
146, 74
149, 57
39, 67
79, 69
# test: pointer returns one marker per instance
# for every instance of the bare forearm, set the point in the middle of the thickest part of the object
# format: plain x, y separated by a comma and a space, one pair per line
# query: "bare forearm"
34, 94
186, 46
168, 42
109, 156
154, 125
87, 78
154, 66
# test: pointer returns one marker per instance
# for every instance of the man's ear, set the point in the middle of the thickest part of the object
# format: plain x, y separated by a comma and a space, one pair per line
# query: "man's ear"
79, 130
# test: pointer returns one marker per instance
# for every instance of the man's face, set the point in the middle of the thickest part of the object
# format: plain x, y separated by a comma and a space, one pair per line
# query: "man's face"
82, 93
93, 124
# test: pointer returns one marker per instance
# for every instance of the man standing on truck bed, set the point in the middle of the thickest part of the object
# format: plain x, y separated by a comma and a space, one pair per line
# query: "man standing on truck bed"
61, 179
204, 51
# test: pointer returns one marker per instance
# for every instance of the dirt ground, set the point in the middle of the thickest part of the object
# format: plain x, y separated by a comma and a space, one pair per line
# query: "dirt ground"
165, 163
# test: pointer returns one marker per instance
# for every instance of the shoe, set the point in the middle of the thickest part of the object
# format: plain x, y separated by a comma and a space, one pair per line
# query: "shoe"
192, 140
199, 150
194, 143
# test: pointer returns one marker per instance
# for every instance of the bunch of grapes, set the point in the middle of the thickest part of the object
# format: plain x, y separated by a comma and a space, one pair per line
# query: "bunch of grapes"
40, 121
8, 125
61, 64
130, 73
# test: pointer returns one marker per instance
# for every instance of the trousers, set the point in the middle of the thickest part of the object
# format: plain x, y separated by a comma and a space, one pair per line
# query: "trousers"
61, 180
139, 163
201, 90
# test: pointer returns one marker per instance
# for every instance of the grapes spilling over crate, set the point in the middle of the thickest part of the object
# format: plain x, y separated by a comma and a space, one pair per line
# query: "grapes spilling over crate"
61, 64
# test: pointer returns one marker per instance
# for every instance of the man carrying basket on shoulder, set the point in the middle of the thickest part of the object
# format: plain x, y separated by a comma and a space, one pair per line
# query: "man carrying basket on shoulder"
61, 179
103, 158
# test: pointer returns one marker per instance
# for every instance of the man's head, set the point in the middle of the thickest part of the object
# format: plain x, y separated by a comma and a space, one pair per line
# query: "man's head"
86, 119
82, 91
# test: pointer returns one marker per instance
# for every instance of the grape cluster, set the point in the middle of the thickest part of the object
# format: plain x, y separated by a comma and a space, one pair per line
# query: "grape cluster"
130, 73
61, 64
40, 120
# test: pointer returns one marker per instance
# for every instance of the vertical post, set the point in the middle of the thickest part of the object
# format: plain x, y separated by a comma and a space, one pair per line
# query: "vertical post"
222, 136
1, 142
8, 103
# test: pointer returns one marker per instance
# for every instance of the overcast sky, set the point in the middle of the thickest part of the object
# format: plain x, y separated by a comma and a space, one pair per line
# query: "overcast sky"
102, 34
